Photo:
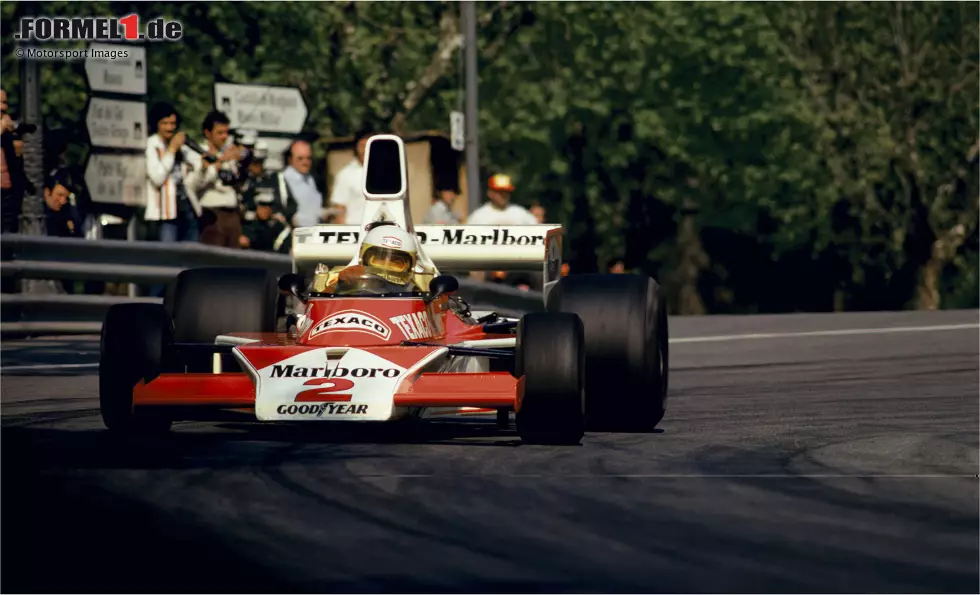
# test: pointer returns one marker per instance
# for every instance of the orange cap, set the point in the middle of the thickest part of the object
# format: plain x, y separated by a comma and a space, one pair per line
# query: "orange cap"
501, 182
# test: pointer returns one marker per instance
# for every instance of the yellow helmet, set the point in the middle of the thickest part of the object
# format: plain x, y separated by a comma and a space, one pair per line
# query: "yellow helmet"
390, 252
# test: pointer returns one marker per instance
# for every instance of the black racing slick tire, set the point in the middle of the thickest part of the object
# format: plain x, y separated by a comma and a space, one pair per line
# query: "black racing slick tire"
550, 355
208, 302
627, 356
137, 344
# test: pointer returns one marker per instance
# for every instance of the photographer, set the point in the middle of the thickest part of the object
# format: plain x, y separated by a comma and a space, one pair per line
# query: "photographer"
267, 229
171, 210
13, 181
259, 179
269, 206
216, 182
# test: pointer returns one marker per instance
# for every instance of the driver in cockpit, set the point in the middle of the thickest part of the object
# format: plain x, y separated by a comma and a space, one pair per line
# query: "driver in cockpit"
387, 252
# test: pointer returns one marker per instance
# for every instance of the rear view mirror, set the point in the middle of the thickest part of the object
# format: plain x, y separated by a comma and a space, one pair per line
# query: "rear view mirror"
442, 285
385, 172
292, 284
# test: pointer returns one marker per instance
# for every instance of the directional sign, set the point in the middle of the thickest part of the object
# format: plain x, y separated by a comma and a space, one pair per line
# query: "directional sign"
117, 179
108, 71
262, 108
116, 124
457, 131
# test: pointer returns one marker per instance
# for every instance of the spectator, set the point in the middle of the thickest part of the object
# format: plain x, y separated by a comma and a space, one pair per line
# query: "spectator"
616, 266
61, 217
172, 208
302, 186
214, 183
500, 211
13, 181
259, 178
538, 210
348, 194
441, 211
267, 229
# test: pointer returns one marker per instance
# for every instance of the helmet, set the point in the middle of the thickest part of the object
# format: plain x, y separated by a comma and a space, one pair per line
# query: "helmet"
390, 250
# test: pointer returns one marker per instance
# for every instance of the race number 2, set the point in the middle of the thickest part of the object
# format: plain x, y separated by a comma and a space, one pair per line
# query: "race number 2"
326, 393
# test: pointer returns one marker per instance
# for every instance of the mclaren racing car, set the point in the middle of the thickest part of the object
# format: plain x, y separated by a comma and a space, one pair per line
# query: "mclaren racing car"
380, 334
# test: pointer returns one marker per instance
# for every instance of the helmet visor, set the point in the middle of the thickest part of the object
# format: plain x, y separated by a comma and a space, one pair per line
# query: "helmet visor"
396, 262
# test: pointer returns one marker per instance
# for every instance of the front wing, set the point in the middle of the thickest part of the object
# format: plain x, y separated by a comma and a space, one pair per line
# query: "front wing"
336, 384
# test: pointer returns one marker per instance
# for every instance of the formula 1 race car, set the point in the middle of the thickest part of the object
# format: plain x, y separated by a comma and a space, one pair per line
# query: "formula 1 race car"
381, 335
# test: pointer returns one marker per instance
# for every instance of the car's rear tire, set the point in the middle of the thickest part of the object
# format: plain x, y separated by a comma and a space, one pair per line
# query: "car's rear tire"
208, 302
627, 363
550, 356
137, 344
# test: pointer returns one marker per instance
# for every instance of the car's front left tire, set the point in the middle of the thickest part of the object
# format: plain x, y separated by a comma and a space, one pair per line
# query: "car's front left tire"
550, 356
136, 345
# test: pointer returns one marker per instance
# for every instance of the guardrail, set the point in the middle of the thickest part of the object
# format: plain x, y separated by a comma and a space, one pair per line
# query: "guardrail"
147, 263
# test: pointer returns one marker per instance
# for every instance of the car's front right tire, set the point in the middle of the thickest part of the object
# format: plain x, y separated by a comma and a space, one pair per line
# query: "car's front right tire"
207, 302
627, 363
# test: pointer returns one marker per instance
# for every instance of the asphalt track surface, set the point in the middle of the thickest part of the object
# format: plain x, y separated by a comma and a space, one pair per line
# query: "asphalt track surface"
813, 456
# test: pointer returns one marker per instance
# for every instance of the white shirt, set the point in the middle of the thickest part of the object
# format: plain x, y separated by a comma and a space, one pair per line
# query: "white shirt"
511, 215
309, 201
348, 192
440, 214
211, 192
161, 181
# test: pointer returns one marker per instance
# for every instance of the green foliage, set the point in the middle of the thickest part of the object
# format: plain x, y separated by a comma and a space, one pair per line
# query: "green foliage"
811, 133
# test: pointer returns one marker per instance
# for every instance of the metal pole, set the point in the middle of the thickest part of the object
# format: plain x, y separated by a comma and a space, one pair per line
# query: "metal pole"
474, 190
131, 236
32, 207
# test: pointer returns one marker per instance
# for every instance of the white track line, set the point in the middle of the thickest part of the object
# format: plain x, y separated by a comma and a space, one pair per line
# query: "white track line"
714, 339
855, 331
46, 367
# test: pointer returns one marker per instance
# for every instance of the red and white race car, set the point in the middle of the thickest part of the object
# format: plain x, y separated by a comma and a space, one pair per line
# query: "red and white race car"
361, 349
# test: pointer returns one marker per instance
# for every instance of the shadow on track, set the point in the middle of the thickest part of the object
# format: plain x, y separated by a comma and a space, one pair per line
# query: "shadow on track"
219, 446
63, 532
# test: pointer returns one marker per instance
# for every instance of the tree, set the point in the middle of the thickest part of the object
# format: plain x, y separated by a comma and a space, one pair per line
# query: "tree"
891, 89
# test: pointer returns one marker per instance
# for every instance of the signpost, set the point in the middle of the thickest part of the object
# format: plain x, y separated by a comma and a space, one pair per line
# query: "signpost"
262, 107
278, 114
457, 131
122, 75
117, 179
115, 171
114, 124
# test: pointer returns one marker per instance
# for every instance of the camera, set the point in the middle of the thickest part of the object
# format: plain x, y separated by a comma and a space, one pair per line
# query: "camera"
245, 139
22, 128
25, 128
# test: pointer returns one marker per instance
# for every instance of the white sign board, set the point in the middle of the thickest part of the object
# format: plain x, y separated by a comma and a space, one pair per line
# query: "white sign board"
262, 108
457, 131
117, 179
116, 75
116, 124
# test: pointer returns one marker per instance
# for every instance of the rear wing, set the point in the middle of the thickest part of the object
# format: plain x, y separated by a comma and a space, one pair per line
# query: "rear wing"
450, 247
